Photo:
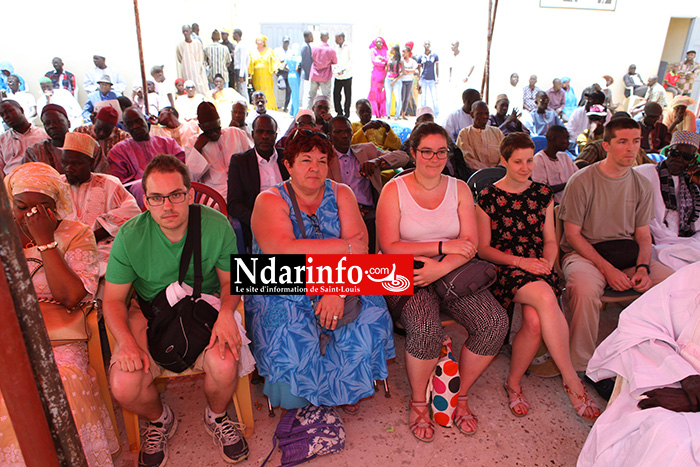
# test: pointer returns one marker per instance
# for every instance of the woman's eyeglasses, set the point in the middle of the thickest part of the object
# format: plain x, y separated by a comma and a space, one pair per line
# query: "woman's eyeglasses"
428, 154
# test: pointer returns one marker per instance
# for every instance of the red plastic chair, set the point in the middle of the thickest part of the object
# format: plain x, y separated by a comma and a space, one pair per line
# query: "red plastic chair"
208, 196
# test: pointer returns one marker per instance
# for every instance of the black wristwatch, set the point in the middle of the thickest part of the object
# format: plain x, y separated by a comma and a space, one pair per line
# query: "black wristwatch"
645, 266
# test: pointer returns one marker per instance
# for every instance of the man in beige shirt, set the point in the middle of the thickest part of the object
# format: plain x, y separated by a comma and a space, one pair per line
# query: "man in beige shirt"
480, 143
606, 202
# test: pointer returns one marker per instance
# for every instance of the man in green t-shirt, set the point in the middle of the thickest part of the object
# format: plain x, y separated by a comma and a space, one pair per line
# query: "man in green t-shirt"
603, 202
146, 254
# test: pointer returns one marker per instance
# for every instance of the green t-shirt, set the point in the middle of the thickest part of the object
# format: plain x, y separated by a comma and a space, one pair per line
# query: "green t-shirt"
141, 254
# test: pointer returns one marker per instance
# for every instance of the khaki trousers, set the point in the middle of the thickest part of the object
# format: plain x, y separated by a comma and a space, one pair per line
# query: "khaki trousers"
582, 301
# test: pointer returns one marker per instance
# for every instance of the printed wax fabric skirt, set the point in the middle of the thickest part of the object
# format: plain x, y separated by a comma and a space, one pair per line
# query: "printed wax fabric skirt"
286, 349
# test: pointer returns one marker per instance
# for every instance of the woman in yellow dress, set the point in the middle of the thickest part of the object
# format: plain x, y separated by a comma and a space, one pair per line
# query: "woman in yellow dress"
262, 69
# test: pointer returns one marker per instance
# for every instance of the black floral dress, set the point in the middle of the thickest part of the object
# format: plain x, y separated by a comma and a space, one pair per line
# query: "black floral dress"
517, 228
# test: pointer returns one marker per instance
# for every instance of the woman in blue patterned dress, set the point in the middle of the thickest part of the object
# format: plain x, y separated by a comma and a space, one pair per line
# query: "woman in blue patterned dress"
286, 342
515, 217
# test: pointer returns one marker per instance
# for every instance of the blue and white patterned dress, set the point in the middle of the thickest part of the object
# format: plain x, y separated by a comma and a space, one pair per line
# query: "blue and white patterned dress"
286, 336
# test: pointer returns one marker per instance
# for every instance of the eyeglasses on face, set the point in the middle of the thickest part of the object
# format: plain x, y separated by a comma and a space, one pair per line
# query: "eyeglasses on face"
175, 198
428, 154
687, 156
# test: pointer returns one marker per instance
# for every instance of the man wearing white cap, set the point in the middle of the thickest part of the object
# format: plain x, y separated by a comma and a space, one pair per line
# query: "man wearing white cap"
93, 75
676, 224
187, 104
104, 93
100, 201
190, 61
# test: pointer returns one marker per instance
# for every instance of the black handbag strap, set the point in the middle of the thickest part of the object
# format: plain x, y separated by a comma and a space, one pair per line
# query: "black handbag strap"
193, 244
295, 206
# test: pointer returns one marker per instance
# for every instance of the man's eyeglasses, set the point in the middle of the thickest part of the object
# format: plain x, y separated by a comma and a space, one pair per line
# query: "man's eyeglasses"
428, 154
307, 132
687, 156
159, 200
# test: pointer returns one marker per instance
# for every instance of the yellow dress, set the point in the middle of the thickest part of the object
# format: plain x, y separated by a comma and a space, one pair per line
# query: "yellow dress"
262, 68
224, 100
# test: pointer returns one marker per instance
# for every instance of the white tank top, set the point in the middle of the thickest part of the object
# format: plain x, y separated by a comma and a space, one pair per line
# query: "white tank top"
419, 224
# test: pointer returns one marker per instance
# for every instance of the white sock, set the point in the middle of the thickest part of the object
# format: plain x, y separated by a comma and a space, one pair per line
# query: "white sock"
163, 416
211, 416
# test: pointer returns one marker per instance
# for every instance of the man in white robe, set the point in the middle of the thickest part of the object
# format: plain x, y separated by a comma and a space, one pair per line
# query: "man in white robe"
208, 154
676, 230
653, 418
100, 201
190, 61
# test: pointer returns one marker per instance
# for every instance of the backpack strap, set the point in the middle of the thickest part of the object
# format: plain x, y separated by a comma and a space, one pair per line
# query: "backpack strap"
193, 244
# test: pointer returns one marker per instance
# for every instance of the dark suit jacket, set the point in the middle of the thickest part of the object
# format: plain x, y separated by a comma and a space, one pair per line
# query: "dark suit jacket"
244, 187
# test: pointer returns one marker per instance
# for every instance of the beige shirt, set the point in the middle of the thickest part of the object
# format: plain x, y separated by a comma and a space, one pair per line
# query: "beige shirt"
606, 208
480, 147
551, 172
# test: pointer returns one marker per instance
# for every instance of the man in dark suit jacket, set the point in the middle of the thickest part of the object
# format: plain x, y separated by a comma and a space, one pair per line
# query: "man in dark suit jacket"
245, 177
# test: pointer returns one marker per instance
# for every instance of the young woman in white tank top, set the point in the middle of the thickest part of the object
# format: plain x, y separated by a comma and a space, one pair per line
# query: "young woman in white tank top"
428, 214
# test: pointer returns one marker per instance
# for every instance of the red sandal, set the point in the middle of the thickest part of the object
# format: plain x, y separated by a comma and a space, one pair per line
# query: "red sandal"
515, 399
423, 420
465, 417
585, 401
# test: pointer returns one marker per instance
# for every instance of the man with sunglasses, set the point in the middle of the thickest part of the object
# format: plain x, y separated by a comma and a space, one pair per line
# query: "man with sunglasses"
359, 166
676, 226
146, 254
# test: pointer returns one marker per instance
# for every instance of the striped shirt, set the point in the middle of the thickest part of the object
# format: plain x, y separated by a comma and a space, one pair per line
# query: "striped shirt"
217, 58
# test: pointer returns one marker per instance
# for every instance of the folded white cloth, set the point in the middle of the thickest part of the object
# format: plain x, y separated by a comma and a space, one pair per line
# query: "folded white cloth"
246, 363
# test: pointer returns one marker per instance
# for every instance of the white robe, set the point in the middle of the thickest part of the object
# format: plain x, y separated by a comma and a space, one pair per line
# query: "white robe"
211, 165
102, 202
672, 250
645, 350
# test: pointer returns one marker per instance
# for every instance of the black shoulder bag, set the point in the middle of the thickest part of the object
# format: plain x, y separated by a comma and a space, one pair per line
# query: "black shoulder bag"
178, 334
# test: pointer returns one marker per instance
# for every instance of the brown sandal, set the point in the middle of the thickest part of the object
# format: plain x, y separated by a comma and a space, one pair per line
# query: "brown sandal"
423, 420
586, 401
515, 399
465, 417
351, 409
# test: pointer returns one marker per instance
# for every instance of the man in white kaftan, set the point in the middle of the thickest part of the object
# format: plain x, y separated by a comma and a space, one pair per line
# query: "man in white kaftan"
653, 419
208, 154
100, 201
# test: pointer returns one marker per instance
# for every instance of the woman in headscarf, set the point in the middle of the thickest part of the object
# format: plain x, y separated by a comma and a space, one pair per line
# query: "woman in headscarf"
62, 258
570, 103
262, 69
377, 97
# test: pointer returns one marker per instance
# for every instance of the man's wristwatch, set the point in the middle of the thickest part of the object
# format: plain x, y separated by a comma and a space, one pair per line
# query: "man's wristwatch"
646, 266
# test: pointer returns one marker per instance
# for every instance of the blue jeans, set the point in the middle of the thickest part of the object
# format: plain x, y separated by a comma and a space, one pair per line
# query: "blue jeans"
428, 86
394, 90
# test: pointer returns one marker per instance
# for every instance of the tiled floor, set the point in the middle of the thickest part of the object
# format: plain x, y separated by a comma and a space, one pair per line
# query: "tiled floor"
551, 434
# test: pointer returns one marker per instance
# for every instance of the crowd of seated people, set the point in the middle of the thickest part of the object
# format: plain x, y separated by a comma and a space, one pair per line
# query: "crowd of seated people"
122, 162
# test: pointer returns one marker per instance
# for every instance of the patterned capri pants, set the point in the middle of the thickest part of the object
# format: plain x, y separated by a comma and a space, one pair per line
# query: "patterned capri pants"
485, 320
